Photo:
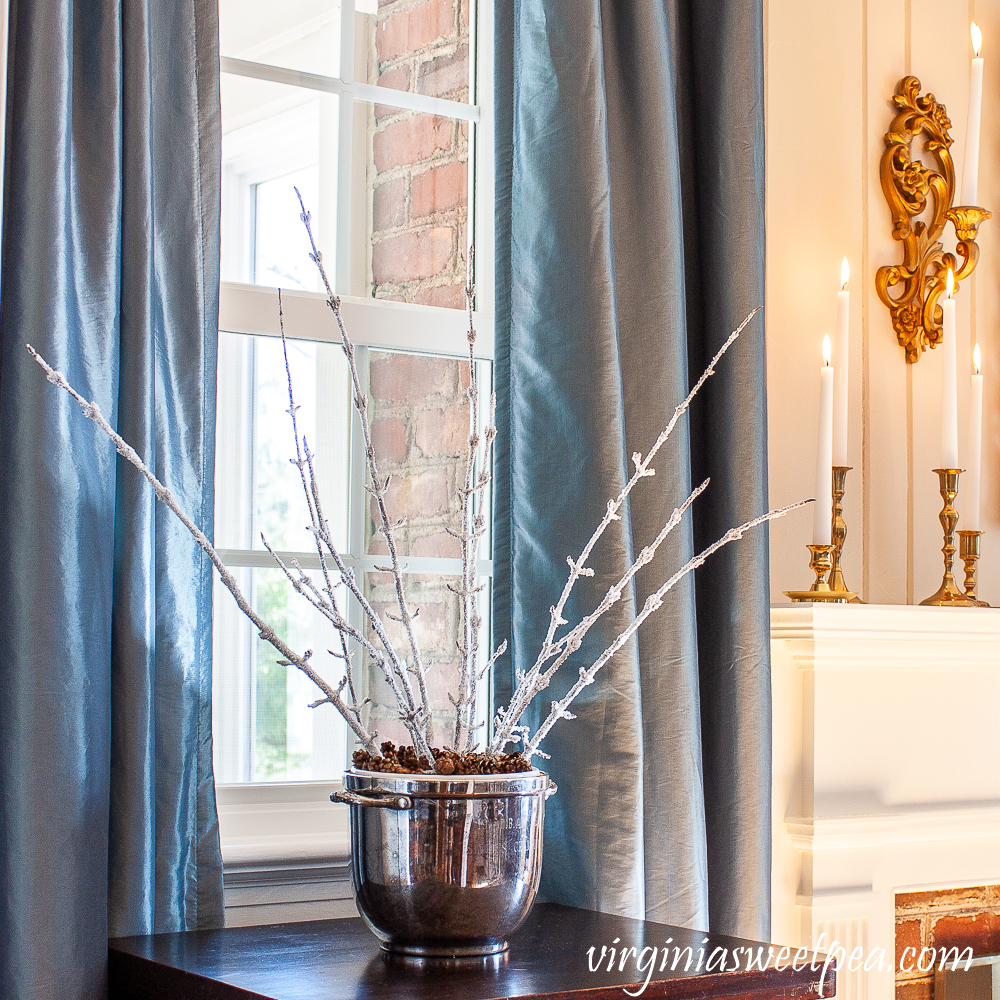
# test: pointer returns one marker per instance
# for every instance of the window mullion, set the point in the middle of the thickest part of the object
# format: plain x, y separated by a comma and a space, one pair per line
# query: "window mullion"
345, 151
481, 182
356, 526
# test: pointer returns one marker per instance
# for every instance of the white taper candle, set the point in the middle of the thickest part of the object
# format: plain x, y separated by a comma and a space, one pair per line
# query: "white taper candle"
949, 383
970, 166
841, 359
970, 514
823, 513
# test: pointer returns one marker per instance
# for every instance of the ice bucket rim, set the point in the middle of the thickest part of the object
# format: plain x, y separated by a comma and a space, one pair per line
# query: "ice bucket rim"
533, 782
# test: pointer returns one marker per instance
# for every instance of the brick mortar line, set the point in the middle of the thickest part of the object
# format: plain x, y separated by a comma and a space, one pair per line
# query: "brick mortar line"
422, 224
949, 911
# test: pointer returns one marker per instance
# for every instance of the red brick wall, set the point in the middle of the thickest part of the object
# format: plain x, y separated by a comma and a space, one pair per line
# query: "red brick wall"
418, 169
419, 162
419, 429
943, 919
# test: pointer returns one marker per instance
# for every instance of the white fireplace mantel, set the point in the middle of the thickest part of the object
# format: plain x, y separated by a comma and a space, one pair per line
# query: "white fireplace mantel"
886, 768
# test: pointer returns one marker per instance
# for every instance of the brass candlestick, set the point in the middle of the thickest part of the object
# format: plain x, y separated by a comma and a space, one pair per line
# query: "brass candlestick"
968, 549
948, 595
839, 531
819, 562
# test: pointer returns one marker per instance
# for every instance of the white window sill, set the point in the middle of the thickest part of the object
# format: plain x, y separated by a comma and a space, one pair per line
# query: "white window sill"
286, 853
282, 824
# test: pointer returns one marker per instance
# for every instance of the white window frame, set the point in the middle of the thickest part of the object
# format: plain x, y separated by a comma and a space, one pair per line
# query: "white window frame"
273, 833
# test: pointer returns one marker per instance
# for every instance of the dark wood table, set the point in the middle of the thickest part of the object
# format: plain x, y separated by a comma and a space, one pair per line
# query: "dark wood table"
549, 957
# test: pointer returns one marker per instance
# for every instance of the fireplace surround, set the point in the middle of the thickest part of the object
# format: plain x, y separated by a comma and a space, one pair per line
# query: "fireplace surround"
886, 783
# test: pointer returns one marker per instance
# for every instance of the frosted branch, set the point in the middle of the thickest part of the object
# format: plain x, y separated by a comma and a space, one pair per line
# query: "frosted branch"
92, 411
473, 529
652, 603
533, 680
419, 710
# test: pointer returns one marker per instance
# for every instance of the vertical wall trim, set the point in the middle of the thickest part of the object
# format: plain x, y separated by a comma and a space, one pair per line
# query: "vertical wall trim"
865, 277
909, 479
907, 38
974, 289
908, 49
767, 66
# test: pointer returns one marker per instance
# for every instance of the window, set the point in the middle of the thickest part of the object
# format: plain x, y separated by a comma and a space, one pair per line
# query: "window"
370, 110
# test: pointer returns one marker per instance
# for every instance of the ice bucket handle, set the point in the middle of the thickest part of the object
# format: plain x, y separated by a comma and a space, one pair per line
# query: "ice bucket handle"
551, 790
380, 800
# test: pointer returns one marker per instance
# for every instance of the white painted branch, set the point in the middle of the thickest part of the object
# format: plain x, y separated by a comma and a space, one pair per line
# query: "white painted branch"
653, 602
419, 710
528, 685
537, 681
473, 529
92, 411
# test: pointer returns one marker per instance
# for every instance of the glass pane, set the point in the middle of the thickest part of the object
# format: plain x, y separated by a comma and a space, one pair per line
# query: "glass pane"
437, 629
264, 728
296, 34
264, 731
257, 488
422, 48
418, 189
419, 411
275, 137
420, 426
281, 243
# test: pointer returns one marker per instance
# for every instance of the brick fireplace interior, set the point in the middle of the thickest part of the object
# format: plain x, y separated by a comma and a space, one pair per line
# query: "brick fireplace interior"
943, 919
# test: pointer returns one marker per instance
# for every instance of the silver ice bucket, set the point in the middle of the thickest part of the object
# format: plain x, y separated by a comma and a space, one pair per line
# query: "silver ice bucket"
445, 865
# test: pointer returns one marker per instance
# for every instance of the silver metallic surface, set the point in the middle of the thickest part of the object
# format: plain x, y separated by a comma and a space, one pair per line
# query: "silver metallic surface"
378, 800
456, 873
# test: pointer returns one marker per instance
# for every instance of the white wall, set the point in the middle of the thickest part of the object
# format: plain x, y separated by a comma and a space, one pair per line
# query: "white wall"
831, 71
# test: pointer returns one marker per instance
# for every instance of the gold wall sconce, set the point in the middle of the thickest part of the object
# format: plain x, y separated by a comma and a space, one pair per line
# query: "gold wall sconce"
908, 185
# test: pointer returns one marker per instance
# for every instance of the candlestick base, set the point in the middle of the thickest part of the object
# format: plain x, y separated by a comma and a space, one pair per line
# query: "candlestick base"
968, 549
839, 532
819, 563
948, 595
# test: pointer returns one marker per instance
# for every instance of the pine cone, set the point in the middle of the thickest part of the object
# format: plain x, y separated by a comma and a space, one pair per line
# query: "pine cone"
405, 760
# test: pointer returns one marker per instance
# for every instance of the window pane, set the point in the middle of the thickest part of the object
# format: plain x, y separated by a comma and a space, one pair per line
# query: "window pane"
275, 137
296, 34
264, 728
281, 514
420, 426
418, 185
422, 48
437, 628
419, 411
258, 490
281, 243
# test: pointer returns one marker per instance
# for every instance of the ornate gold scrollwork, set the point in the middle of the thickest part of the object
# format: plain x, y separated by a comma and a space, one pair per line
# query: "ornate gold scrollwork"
908, 185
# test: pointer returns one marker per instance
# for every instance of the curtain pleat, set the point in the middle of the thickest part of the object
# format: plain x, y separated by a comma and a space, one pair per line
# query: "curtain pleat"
111, 270
630, 242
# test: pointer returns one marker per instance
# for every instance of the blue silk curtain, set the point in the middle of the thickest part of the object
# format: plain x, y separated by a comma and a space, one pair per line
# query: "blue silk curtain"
630, 242
110, 269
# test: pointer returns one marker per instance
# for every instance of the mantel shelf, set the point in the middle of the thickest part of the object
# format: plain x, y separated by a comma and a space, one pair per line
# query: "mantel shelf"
898, 634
